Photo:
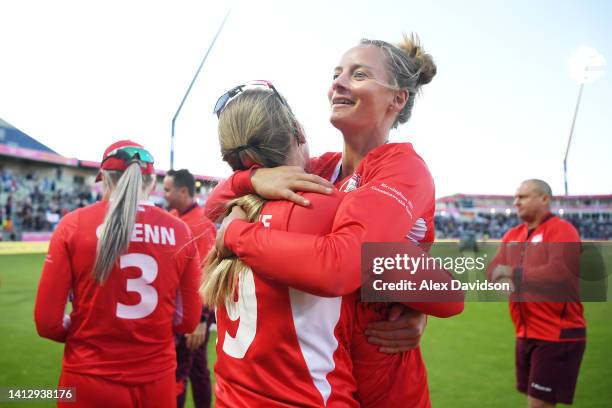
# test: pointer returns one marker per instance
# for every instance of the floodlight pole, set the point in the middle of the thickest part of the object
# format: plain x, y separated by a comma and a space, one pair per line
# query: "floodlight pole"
569, 140
190, 86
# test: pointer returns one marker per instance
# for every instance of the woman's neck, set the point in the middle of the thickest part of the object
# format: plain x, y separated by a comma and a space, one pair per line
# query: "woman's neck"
356, 147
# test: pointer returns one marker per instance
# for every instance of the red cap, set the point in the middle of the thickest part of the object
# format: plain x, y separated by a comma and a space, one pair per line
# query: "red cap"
115, 163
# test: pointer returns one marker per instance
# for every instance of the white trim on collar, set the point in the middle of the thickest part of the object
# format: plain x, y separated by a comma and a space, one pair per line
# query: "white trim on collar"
336, 173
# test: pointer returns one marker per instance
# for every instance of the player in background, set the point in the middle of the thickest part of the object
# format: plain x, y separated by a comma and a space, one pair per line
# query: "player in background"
131, 272
391, 198
537, 257
277, 346
191, 348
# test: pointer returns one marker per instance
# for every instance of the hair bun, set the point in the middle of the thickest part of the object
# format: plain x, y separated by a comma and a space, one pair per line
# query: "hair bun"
411, 45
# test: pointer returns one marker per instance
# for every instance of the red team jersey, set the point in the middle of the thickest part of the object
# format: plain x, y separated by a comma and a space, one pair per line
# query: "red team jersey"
202, 229
281, 347
391, 199
550, 321
121, 330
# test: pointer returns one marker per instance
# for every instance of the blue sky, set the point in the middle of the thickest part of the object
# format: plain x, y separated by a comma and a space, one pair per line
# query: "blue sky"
79, 75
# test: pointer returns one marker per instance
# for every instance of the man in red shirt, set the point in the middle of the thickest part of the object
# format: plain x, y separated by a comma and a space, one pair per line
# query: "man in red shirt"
179, 192
541, 259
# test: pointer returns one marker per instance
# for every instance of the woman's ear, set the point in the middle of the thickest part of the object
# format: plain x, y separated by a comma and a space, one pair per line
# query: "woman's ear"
400, 99
301, 137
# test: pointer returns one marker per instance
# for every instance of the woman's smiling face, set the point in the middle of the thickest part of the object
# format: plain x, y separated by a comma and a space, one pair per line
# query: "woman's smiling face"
361, 94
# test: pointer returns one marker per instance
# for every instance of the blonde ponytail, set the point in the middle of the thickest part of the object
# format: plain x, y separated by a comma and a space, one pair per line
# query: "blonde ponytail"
116, 230
220, 275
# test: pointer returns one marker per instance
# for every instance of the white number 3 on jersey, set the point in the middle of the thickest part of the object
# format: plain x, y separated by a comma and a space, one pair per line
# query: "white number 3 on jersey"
141, 285
244, 309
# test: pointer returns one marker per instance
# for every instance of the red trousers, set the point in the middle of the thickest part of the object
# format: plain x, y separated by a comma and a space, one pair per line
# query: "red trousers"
93, 392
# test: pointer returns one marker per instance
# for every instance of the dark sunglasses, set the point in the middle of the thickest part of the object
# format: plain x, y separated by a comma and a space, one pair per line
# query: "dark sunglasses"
130, 153
226, 97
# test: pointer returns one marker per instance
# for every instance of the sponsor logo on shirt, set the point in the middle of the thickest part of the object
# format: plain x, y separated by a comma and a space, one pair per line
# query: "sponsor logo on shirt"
351, 184
396, 195
540, 387
537, 238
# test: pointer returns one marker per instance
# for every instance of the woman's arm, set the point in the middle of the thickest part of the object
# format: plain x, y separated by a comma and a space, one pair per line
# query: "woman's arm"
54, 286
279, 183
189, 307
383, 210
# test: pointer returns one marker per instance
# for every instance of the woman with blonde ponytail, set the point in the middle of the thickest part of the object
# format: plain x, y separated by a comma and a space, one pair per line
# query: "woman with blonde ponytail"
131, 272
126, 190
390, 199
265, 353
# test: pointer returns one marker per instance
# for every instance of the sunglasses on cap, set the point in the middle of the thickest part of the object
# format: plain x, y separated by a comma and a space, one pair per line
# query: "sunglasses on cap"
226, 97
131, 153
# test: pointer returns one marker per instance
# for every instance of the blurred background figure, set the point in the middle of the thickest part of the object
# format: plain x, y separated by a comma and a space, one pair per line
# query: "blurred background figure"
191, 349
550, 336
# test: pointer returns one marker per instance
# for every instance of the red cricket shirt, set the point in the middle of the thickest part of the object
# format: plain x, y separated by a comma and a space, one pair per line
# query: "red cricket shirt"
123, 329
391, 199
545, 259
202, 229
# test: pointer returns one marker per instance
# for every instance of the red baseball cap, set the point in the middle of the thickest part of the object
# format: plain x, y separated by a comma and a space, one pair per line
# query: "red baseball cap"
110, 161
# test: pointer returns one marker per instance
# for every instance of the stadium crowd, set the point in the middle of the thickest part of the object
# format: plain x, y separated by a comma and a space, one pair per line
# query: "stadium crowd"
494, 226
33, 203
30, 202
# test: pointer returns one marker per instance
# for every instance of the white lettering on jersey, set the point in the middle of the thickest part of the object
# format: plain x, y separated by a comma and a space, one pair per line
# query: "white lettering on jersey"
137, 233
149, 233
386, 190
141, 285
417, 232
265, 220
167, 235
315, 319
244, 309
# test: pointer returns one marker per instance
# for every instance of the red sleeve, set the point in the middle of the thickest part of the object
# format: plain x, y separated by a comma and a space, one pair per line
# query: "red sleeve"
500, 257
189, 304
382, 210
444, 303
238, 184
563, 254
221, 194
54, 286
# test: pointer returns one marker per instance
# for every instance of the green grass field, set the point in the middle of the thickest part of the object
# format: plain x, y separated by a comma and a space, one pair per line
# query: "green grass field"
470, 358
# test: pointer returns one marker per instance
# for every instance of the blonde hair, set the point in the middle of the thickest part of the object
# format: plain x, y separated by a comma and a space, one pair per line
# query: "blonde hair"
409, 67
126, 188
257, 126
221, 274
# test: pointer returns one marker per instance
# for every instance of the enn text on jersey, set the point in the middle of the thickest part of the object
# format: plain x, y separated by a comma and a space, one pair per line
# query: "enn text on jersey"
151, 234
